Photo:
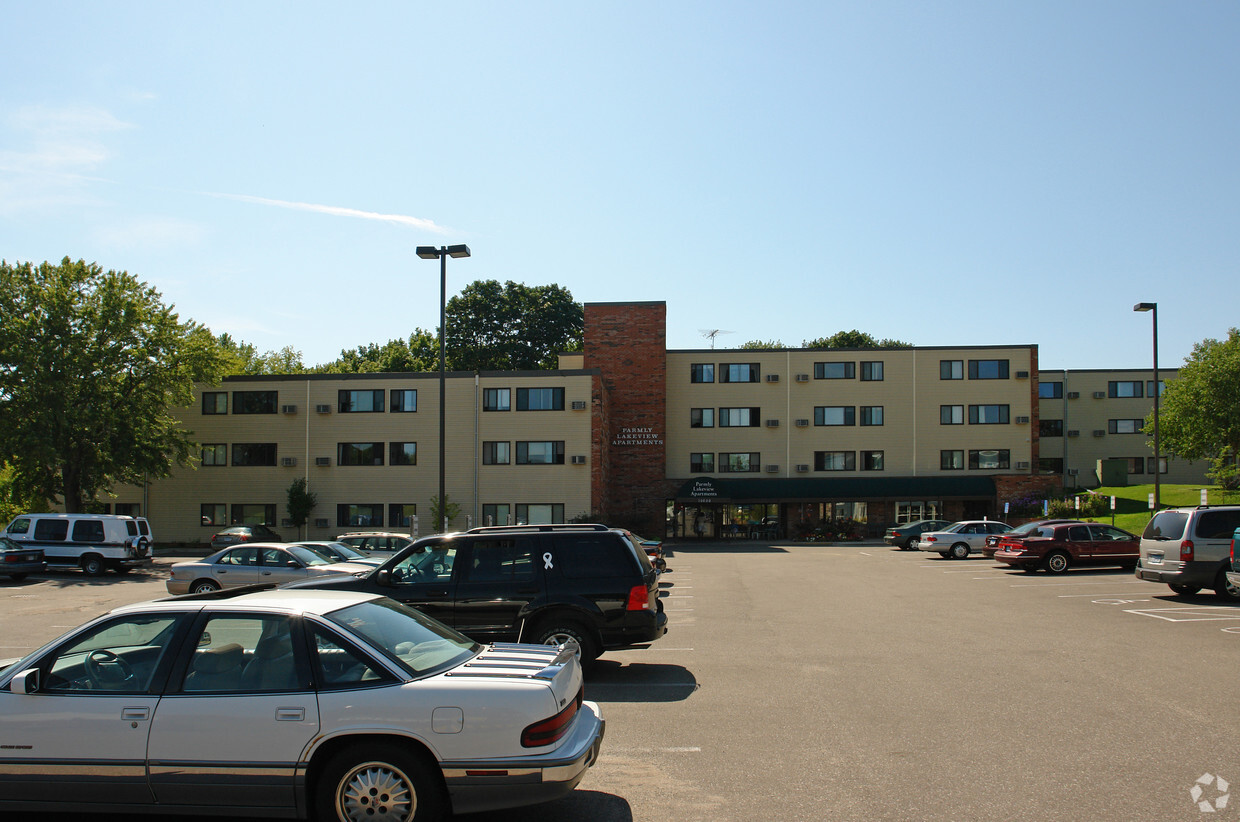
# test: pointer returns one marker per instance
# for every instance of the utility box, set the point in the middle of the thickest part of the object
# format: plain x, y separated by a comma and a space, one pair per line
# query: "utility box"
1112, 472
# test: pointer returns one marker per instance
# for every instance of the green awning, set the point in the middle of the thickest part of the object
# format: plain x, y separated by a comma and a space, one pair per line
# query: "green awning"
791, 489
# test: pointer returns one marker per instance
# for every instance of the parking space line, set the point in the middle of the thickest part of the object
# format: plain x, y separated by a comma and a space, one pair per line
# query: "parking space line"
1093, 595
1198, 614
1057, 584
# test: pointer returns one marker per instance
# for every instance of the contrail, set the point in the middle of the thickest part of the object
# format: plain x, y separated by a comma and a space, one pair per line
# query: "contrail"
416, 222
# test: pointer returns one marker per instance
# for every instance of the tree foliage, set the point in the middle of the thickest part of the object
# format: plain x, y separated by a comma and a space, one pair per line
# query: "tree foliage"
243, 358
853, 339
1199, 414
761, 345
301, 501
90, 363
511, 327
419, 353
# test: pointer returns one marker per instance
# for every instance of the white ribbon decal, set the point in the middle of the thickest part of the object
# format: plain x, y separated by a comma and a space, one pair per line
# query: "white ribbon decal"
547, 561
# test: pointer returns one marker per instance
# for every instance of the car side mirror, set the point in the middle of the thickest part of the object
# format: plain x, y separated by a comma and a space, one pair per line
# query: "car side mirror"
383, 578
27, 682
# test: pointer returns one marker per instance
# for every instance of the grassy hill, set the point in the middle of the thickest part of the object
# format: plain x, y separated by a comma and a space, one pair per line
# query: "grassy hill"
1132, 509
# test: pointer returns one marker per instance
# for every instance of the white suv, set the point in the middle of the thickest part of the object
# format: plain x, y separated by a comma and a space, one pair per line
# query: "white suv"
1190, 549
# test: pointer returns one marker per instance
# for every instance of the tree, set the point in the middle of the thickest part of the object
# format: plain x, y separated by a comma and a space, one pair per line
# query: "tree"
301, 501
91, 361
419, 353
512, 327
243, 358
1199, 414
853, 339
443, 517
761, 345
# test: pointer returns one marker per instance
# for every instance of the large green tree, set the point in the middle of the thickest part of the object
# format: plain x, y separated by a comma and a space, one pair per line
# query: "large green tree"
493, 327
853, 339
91, 361
1199, 414
243, 358
419, 353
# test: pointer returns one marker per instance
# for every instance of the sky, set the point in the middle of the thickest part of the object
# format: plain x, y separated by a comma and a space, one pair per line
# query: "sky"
941, 173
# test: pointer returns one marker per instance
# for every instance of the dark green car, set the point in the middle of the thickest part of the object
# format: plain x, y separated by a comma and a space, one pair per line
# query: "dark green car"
906, 535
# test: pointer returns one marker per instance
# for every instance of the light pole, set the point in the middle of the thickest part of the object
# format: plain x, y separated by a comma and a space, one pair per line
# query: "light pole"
1157, 455
429, 252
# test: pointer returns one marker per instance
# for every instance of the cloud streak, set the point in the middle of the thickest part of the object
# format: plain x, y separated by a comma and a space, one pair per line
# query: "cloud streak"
339, 211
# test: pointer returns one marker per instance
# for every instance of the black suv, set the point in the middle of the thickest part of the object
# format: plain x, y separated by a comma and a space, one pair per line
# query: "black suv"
539, 584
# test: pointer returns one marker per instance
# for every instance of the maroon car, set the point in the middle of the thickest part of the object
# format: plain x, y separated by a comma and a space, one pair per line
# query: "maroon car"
1060, 546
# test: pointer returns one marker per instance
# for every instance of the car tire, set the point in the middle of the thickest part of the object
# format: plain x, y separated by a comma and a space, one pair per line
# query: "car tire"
17, 577
1057, 562
404, 786
1225, 589
557, 631
944, 554
959, 551
93, 565
204, 586
1184, 590
910, 544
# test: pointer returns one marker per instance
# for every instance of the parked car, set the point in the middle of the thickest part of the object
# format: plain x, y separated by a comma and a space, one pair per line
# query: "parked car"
960, 539
282, 703
653, 549
252, 563
20, 561
1233, 574
1190, 549
379, 543
93, 542
340, 552
526, 584
244, 533
1060, 546
992, 540
906, 535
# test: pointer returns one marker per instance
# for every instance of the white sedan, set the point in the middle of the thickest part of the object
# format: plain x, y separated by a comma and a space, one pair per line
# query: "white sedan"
960, 539
330, 704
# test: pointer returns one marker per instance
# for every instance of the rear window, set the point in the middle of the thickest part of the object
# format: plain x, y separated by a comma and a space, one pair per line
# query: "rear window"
131, 528
1166, 525
1218, 524
594, 556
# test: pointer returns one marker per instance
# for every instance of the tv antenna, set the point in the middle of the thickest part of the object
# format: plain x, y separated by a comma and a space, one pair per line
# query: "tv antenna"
711, 333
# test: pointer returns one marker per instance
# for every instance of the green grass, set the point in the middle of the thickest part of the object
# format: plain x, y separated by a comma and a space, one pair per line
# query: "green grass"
1132, 510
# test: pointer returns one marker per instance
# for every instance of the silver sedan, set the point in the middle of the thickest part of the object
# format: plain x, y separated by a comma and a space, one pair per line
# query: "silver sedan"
960, 539
252, 563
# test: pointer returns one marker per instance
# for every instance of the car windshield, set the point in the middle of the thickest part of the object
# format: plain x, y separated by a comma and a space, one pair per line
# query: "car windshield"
1027, 528
311, 557
419, 644
336, 551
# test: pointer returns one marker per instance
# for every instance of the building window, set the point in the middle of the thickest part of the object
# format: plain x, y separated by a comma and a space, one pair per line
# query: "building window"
702, 372
739, 463
701, 418
359, 453
988, 369
361, 402
1125, 426
951, 369
254, 402
951, 460
550, 452
496, 453
835, 370
835, 460
739, 417
1050, 428
214, 514
1136, 465
872, 371
738, 372
254, 514
1149, 388
702, 463
400, 515
496, 399
915, 510
403, 453
1050, 465
1149, 465
215, 402
542, 514
404, 400
354, 515
1124, 388
215, 454
871, 460
835, 415
540, 399
983, 460
254, 453
495, 514
128, 509
871, 415
951, 415
988, 415
1050, 390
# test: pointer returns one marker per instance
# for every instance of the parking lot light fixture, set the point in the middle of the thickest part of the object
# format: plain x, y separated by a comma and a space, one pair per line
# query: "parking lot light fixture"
429, 252
1153, 308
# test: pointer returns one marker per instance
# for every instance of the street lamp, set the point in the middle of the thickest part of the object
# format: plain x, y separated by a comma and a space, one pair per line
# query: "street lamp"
429, 252
1157, 455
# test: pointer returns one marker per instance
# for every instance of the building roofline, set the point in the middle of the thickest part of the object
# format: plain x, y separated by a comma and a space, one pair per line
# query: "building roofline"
410, 375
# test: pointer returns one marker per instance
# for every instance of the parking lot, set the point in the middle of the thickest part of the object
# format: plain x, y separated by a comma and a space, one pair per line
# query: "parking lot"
811, 682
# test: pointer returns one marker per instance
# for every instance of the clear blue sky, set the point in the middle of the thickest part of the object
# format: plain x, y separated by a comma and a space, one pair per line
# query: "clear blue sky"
945, 173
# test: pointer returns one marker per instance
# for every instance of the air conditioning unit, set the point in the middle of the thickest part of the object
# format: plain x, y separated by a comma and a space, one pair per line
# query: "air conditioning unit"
771, 469
802, 377
285, 522
1098, 395
802, 468
323, 409
579, 405
1022, 375
1098, 432
1074, 395
288, 409
802, 423
578, 459
322, 460
1022, 466
1022, 420
772, 423
321, 522
1072, 472
772, 378
1072, 432
288, 462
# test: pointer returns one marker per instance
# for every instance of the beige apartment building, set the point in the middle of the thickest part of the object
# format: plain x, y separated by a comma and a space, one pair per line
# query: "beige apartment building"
677, 443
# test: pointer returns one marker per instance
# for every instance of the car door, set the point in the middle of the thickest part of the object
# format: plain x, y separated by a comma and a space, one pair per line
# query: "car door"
239, 712
237, 567
1114, 545
81, 735
279, 565
1079, 541
496, 586
426, 580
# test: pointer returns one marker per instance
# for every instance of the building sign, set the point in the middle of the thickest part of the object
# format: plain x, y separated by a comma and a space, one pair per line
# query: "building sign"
637, 436
703, 488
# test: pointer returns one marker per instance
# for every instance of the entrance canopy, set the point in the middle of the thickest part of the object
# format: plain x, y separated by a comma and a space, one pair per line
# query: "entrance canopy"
792, 489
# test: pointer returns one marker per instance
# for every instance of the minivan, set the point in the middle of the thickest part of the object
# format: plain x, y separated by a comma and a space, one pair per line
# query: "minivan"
1190, 549
93, 542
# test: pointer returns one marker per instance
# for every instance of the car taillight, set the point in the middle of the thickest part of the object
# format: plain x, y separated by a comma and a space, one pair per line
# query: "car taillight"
1186, 551
929, 539
550, 730
243, 537
639, 598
